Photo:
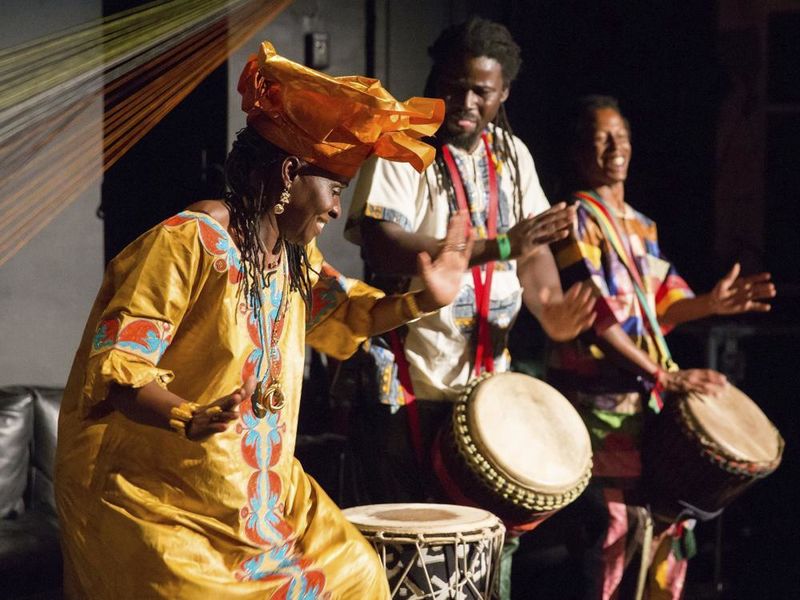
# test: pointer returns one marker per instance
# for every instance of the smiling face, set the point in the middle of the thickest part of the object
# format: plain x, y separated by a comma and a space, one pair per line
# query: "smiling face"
473, 90
606, 152
315, 199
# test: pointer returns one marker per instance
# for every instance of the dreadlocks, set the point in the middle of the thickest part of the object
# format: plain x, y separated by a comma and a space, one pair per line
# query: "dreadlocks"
472, 39
247, 202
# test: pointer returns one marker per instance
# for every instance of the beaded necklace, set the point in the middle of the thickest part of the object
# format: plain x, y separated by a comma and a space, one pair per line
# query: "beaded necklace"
268, 395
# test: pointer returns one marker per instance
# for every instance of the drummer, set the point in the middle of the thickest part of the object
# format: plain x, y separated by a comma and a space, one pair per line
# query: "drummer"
396, 213
622, 366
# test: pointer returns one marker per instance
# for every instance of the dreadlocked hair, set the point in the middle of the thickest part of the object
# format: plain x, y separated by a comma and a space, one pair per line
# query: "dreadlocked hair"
478, 37
474, 38
247, 199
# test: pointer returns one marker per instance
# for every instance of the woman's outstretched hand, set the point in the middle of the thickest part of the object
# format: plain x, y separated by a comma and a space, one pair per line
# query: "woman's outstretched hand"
442, 277
215, 417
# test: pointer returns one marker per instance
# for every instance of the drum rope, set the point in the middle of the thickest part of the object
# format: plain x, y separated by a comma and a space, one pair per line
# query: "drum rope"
474, 560
423, 564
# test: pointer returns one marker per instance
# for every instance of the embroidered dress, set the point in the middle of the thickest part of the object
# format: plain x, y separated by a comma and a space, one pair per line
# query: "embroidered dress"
610, 399
148, 514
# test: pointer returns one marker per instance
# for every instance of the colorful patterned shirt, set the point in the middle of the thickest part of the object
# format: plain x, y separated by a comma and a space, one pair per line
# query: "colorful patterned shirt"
587, 255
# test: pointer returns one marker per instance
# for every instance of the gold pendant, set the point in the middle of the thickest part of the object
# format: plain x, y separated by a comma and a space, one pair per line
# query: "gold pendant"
272, 400
259, 409
275, 398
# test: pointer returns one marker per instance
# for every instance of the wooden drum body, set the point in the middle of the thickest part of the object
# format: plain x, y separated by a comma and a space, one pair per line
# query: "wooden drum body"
705, 451
515, 447
433, 551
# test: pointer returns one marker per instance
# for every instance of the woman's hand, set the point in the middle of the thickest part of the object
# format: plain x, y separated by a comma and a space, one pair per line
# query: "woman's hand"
733, 294
704, 381
442, 277
565, 318
214, 418
545, 228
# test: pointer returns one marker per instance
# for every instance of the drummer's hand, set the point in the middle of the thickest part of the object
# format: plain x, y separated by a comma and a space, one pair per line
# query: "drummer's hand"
442, 277
545, 228
733, 294
705, 381
215, 417
574, 313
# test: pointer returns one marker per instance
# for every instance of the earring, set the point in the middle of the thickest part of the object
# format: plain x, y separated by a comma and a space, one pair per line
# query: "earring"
282, 202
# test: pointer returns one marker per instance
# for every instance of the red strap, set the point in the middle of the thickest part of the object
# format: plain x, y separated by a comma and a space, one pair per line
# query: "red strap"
484, 360
449, 486
454, 490
408, 389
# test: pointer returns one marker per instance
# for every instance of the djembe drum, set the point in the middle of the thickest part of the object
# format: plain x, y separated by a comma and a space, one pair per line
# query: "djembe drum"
515, 447
704, 451
433, 551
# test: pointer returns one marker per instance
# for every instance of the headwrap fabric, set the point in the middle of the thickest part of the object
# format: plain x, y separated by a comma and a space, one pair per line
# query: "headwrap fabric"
334, 122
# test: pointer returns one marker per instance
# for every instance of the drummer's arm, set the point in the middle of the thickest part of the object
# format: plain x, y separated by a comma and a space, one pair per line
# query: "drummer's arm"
562, 316
441, 278
731, 295
391, 250
620, 349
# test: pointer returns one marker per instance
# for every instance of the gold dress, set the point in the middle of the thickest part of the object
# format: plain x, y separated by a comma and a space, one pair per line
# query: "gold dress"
146, 513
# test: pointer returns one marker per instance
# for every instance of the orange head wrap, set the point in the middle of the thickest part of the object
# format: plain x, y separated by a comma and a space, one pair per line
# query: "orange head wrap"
334, 122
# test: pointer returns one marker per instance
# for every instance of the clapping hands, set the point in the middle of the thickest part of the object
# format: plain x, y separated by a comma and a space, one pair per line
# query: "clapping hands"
545, 228
563, 319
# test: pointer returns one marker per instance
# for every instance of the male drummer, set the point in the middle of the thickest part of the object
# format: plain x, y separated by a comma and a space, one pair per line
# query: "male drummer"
397, 214
622, 367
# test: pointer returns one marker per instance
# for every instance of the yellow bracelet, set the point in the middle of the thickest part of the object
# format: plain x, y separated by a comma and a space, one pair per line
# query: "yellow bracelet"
181, 415
410, 308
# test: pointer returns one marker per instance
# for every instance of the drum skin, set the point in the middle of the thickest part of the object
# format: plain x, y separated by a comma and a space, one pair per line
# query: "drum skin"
706, 451
515, 447
433, 550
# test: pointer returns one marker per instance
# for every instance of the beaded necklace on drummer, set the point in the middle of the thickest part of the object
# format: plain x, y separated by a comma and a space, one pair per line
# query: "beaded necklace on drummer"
268, 387
478, 196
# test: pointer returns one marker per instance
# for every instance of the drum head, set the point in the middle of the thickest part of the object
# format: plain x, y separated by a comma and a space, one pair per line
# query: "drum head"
419, 518
734, 423
529, 432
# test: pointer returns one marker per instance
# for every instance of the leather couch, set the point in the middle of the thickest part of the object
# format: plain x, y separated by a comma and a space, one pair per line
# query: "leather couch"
30, 556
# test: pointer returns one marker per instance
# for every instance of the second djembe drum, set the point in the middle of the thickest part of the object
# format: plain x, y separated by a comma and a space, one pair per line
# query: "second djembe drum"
515, 447
703, 451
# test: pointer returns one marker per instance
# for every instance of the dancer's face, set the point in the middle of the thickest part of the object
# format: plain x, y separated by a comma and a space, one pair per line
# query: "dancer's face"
315, 199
